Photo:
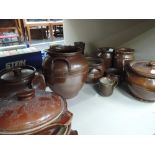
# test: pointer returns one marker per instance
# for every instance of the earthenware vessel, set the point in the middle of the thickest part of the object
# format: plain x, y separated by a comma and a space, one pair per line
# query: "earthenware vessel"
80, 45
65, 70
106, 86
141, 79
96, 69
18, 78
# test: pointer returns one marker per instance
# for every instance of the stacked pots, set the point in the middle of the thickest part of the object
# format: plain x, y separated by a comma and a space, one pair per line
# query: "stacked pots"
35, 112
65, 70
141, 79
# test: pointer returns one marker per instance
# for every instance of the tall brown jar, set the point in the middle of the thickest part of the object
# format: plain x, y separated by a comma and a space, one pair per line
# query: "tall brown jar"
65, 70
106, 53
122, 57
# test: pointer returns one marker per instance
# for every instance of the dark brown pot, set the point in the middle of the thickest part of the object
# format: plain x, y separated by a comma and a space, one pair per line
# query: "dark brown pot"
65, 70
141, 79
122, 57
19, 78
34, 112
96, 69
106, 53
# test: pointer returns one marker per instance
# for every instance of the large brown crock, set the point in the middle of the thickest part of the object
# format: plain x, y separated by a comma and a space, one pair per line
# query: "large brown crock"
96, 69
141, 79
18, 78
65, 70
34, 112
107, 54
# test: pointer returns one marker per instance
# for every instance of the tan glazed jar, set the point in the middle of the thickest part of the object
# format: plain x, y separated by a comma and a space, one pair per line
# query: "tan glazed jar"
65, 70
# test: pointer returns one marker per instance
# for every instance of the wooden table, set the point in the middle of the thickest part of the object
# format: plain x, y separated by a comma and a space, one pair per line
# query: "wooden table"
48, 24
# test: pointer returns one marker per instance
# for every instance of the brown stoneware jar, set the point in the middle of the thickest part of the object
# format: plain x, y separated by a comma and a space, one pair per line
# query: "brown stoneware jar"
122, 57
96, 69
106, 53
141, 79
65, 70
34, 112
16, 79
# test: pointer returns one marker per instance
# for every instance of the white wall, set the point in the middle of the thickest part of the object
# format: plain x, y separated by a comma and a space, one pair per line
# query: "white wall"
144, 45
102, 32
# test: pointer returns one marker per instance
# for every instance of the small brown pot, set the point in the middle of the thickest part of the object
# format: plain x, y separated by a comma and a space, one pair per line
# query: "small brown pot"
113, 73
106, 86
19, 78
34, 112
141, 79
106, 53
96, 69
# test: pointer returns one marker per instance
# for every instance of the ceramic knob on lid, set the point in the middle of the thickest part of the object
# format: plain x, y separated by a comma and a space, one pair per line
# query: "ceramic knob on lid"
29, 111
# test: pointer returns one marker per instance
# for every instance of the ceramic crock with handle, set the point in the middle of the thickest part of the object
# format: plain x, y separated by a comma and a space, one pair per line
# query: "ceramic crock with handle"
141, 79
18, 78
96, 69
65, 70
34, 112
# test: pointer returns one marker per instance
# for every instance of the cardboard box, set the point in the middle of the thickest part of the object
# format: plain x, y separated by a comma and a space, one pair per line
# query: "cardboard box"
28, 56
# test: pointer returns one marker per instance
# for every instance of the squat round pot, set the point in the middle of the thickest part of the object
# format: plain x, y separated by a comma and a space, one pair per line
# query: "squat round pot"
18, 78
141, 79
65, 70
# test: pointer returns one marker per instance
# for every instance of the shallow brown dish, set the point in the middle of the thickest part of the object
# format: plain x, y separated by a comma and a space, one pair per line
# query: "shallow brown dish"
141, 79
96, 69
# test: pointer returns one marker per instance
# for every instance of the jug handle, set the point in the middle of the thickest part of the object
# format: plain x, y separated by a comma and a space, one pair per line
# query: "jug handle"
62, 59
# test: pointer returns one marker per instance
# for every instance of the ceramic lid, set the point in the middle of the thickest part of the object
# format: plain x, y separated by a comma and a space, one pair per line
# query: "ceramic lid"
29, 110
17, 74
124, 50
144, 68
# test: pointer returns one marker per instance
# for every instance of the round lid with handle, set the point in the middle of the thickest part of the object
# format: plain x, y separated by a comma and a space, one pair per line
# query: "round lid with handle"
30, 110
144, 68
17, 74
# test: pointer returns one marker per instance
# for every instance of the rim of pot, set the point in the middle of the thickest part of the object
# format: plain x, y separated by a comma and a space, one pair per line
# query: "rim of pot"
97, 61
64, 50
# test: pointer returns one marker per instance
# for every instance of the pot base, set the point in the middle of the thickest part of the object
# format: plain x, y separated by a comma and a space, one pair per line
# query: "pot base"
141, 94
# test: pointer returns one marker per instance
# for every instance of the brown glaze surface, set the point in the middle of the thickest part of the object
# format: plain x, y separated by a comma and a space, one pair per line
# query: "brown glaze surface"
106, 86
122, 57
96, 69
140, 80
25, 113
16, 79
106, 53
65, 70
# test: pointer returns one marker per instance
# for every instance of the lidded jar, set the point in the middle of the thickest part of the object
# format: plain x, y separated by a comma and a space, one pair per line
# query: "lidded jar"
33, 112
141, 79
65, 70
18, 78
